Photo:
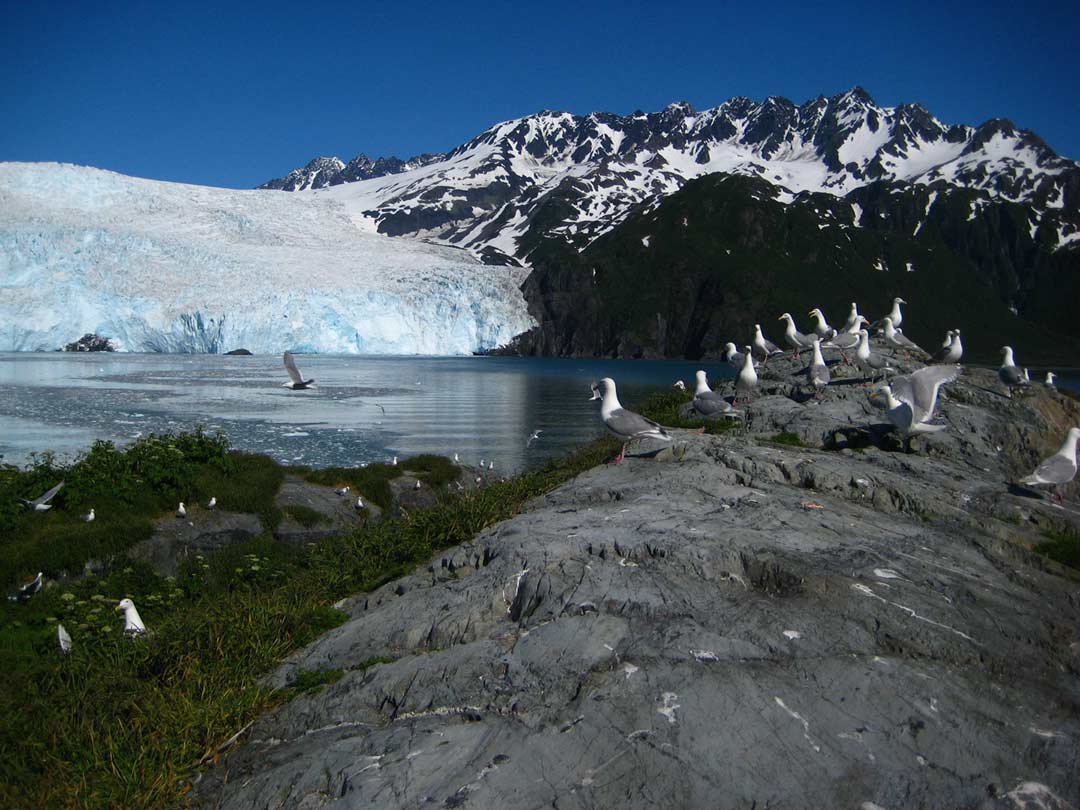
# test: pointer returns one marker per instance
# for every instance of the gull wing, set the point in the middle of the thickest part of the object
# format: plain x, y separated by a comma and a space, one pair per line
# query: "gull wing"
48, 496
920, 388
290, 366
1055, 470
627, 423
820, 375
1010, 375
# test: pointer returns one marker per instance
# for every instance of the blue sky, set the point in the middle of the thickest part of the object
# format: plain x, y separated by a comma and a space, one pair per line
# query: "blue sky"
237, 94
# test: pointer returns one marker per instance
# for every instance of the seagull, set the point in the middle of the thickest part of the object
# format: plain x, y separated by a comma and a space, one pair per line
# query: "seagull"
393, 461
342, 492
27, 590
680, 385
870, 363
911, 398
1027, 377
821, 327
133, 623
763, 348
1009, 374
417, 484
456, 459
1059, 469
296, 381
491, 464
746, 382
951, 350
734, 358
535, 435
818, 372
42, 504
89, 516
64, 639
483, 464
624, 424
181, 512
707, 402
795, 339
359, 504
853, 319
846, 340
895, 314
212, 502
1049, 381
895, 338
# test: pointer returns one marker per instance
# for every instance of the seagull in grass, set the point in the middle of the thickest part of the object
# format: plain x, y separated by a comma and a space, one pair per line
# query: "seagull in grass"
359, 505
763, 348
296, 380
1057, 470
794, 338
211, 503
911, 399
871, 363
747, 380
709, 403
625, 425
133, 623
821, 326
181, 512
1008, 373
89, 516
818, 372
951, 350
27, 590
64, 639
733, 357
679, 384
41, 504
895, 338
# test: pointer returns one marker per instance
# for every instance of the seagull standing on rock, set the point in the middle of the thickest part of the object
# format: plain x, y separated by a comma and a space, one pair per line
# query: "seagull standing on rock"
763, 348
795, 339
853, 319
1049, 381
866, 360
1008, 373
951, 350
1059, 469
212, 502
707, 402
625, 425
296, 380
821, 326
895, 315
747, 380
818, 372
911, 398
895, 338
734, 358
181, 512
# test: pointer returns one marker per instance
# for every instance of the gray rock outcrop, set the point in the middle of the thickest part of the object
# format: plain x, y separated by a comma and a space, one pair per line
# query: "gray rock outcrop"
735, 624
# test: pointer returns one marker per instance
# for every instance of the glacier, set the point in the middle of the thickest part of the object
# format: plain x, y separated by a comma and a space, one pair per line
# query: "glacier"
167, 267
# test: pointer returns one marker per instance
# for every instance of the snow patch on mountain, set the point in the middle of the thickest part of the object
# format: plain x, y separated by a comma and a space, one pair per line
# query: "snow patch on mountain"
167, 267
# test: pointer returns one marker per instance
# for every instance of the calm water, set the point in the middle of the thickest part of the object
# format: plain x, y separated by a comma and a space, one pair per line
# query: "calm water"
480, 407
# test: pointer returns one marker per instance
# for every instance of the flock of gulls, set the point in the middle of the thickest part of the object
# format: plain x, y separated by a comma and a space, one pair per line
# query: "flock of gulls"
910, 399
910, 402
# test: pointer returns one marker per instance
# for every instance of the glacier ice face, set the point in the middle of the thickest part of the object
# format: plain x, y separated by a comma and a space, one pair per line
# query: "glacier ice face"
173, 268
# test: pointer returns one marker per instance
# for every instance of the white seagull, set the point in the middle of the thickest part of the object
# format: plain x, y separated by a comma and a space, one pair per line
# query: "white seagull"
818, 372
951, 350
821, 326
733, 357
895, 314
212, 502
911, 398
795, 339
1008, 373
133, 623
853, 319
624, 424
866, 360
747, 380
1049, 381
763, 348
181, 512
707, 402
535, 435
64, 639
89, 516
41, 504
27, 590
1059, 469
895, 338
296, 380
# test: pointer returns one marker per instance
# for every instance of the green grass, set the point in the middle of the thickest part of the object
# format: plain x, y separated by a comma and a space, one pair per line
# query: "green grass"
1063, 547
313, 680
789, 439
123, 723
373, 481
663, 407
304, 515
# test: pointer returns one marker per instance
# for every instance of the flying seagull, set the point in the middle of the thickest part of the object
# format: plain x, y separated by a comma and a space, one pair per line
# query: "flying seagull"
707, 402
64, 639
133, 623
795, 339
763, 348
296, 380
535, 435
911, 398
42, 504
27, 590
624, 424
1059, 469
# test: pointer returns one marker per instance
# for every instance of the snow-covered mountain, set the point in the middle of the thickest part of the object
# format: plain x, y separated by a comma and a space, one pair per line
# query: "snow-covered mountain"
167, 267
576, 177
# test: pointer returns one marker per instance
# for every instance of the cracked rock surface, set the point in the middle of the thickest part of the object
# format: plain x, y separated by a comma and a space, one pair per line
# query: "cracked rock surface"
736, 624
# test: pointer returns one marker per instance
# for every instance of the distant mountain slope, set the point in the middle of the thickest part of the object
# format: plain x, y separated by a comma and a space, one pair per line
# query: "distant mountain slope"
176, 268
573, 178
723, 253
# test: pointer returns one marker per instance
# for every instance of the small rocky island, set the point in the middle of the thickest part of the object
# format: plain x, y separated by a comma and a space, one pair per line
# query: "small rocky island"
795, 612
90, 343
